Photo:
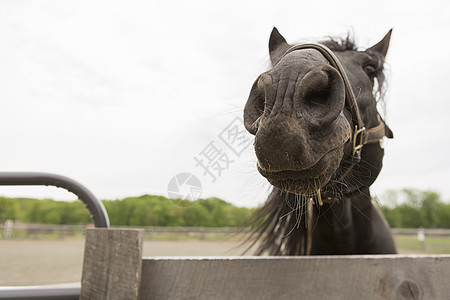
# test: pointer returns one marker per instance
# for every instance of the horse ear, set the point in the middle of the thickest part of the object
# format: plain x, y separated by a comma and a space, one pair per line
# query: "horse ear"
382, 46
277, 44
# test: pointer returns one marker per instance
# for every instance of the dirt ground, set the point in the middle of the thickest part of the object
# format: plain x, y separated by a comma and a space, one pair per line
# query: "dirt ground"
36, 262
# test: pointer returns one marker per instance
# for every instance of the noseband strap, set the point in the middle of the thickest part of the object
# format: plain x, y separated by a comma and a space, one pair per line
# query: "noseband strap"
361, 135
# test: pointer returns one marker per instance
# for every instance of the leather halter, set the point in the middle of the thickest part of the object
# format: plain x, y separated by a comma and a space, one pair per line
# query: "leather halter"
361, 135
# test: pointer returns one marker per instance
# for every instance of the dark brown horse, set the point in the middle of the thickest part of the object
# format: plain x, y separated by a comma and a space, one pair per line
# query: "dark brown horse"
318, 142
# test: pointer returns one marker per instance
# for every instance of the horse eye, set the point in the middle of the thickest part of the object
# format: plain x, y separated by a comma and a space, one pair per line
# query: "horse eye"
370, 69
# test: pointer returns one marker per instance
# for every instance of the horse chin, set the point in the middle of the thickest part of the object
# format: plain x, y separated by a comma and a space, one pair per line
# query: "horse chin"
304, 187
306, 181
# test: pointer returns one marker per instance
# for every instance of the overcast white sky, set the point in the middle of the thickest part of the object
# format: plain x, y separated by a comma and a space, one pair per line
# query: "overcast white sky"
122, 95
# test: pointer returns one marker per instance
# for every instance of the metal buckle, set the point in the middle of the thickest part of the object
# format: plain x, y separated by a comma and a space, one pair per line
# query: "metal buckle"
357, 148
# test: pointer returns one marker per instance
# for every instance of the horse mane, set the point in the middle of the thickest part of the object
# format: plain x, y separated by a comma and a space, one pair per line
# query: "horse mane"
340, 43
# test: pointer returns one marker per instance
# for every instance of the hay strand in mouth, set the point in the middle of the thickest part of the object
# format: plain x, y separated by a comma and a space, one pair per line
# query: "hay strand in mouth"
319, 198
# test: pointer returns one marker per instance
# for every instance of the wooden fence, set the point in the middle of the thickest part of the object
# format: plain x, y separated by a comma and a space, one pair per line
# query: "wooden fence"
155, 231
409, 240
9, 229
114, 268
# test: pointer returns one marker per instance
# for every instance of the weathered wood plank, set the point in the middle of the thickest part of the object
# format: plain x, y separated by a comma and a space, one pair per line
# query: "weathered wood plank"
326, 277
112, 264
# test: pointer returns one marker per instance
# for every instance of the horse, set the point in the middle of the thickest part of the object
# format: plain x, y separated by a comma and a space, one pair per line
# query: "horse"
317, 139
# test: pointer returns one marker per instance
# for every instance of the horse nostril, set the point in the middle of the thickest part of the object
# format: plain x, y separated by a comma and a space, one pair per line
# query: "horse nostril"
320, 94
256, 103
317, 88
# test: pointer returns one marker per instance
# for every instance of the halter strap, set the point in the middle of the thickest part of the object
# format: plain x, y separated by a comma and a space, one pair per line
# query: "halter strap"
361, 135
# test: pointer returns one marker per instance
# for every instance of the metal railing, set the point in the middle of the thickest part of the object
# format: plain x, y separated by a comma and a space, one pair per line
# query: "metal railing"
98, 215
95, 207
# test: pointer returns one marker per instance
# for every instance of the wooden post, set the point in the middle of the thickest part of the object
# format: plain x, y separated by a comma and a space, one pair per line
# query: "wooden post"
112, 264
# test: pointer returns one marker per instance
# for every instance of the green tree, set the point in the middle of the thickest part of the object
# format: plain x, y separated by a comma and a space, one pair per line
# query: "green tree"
416, 209
7, 209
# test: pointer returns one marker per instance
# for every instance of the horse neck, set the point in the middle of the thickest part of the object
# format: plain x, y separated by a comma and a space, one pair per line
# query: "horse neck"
341, 226
292, 225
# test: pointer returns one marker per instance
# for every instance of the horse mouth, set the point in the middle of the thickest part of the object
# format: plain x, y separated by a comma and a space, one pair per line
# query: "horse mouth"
308, 180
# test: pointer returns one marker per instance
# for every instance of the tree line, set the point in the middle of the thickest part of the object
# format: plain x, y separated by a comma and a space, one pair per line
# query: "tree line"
410, 208
402, 209
146, 210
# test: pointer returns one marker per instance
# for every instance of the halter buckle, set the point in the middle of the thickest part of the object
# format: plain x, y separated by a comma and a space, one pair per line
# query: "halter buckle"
356, 152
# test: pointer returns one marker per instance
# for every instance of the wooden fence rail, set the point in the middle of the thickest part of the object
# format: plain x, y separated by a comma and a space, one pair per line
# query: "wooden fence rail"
409, 239
158, 230
115, 269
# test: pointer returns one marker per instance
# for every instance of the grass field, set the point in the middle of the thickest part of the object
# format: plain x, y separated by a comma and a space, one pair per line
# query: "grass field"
432, 245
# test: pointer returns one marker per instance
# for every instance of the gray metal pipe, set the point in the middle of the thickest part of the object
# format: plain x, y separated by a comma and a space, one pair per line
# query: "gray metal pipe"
95, 207
57, 292
98, 215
